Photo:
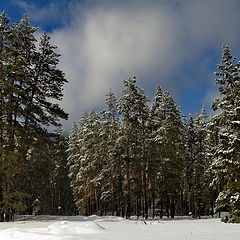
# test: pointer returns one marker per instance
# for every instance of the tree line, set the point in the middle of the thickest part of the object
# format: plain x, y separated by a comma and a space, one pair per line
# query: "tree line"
132, 159
136, 158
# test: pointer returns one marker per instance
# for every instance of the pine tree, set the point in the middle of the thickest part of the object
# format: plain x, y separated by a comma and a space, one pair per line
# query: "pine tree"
133, 107
4, 39
156, 118
29, 81
226, 164
197, 176
12, 82
189, 164
112, 168
83, 164
202, 176
74, 150
170, 135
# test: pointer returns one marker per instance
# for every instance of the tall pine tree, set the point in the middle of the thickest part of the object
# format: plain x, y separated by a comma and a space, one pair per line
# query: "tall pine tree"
226, 158
29, 81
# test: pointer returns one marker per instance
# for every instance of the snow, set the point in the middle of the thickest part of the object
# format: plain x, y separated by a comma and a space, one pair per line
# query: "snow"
116, 228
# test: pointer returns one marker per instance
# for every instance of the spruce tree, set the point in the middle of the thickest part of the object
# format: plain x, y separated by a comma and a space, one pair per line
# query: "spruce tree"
226, 164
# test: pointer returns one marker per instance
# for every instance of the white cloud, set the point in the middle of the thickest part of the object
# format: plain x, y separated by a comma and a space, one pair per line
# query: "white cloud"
107, 41
111, 44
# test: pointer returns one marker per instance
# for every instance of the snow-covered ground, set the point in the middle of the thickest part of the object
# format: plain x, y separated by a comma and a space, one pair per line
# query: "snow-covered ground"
116, 228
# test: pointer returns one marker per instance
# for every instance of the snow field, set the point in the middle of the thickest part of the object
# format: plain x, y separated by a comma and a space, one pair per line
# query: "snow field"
115, 228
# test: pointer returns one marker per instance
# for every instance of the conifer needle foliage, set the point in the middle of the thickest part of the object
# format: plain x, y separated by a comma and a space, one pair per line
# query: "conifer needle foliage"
29, 82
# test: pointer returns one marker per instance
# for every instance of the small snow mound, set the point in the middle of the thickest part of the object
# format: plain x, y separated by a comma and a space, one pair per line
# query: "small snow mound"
106, 218
67, 228
24, 234
57, 230
68, 218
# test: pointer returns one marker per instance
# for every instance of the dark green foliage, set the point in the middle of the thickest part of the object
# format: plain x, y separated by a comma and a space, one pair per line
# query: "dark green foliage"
197, 164
47, 174
226, 151
29, 81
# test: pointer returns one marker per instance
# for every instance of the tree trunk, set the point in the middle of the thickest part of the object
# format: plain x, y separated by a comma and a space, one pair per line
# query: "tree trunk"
153, 204
161, 210
172, 207
145, 197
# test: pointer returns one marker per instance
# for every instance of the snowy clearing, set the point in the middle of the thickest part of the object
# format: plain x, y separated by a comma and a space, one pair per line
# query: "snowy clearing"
116, 228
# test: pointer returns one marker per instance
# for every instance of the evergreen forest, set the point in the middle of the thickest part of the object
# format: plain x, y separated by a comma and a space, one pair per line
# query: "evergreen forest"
136, 157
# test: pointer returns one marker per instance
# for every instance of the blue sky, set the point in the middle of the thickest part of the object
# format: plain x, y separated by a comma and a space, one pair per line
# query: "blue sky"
175, 44
46, 14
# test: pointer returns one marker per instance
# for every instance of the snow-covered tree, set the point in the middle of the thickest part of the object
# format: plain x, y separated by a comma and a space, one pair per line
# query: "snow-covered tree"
226, 158
170, 137
156, 118
134, 110
111, 192
85, 163
197, 164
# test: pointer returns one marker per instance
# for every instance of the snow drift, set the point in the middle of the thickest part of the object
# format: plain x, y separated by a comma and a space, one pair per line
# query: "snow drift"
116, 228
58, 230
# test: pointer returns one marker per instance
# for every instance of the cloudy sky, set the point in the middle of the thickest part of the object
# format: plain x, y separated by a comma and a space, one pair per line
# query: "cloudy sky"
172, 43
